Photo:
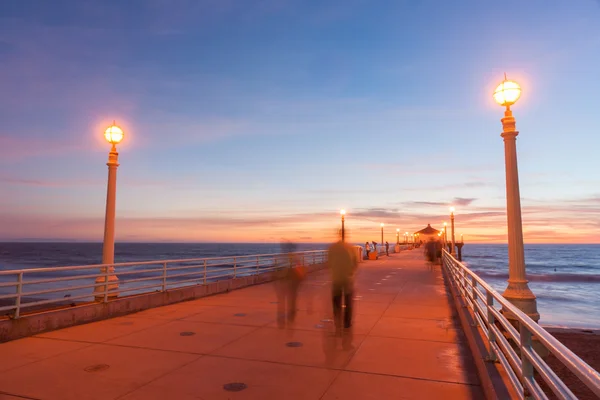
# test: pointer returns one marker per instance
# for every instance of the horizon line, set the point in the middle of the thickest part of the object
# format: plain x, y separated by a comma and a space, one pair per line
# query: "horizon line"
72, 241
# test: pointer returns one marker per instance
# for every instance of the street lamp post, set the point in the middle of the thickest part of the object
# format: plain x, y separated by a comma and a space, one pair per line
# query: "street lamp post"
398, 236
382, 225
113, 135
445, 235
517, 291
343, 214
453, 252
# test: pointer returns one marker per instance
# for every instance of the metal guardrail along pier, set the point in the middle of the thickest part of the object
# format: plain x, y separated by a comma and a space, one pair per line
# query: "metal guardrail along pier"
486, 305
43, 288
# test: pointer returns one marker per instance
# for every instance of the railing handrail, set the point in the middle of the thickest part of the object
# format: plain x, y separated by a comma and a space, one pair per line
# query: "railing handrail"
152, 262
166, 275
589, 376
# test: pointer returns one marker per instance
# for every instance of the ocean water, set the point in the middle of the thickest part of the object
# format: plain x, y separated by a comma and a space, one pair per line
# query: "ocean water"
565, 278
35, 255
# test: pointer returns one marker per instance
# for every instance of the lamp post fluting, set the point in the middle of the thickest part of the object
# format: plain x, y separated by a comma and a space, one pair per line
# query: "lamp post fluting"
517, 291
343, 214
113, 135
453, 252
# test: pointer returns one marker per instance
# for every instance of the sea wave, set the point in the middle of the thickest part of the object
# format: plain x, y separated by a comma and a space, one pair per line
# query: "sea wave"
584, 278
483, 257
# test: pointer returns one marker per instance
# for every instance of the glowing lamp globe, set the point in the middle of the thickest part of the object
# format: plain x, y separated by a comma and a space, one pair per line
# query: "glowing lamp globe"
343, 212
507, 93
452, 209
382, 224
113, 134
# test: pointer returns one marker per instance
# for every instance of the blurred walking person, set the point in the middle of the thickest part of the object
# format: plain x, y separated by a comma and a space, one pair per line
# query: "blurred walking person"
343, 265
367, 249
431, 252
289, 276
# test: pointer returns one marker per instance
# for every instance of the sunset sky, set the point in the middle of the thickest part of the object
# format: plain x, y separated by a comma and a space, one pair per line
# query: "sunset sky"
252, 121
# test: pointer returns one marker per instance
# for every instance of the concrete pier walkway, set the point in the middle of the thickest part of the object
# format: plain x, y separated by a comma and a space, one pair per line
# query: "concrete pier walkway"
405, 345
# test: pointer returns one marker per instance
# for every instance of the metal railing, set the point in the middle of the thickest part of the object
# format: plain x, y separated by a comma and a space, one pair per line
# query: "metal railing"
42, 288
519, 359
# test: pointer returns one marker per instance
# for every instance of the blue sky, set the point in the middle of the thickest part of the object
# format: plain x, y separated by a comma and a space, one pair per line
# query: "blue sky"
257, 120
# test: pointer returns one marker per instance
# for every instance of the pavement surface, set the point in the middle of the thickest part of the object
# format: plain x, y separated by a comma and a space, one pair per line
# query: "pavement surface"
405, 344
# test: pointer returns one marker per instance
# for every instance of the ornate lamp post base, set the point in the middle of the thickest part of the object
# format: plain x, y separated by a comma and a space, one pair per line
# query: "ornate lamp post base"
111, 285
523, 298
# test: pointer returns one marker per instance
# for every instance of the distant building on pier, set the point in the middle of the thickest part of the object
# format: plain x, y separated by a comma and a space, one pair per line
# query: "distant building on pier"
428, 232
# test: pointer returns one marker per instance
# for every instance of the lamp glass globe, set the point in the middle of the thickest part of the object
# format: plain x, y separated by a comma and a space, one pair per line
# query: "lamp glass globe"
113, 134
507, 93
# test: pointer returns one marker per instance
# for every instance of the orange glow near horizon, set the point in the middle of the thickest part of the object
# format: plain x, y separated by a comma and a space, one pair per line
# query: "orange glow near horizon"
315, 230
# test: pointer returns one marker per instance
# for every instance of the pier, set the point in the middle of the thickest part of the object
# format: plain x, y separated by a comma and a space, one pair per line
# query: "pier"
406, 343
419, 331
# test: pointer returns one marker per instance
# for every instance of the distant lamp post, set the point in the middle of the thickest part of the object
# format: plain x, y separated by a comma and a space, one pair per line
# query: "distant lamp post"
453, 252
113, 135
398, 236
406, 237
343, 214
517, 291
382, 225
445, 234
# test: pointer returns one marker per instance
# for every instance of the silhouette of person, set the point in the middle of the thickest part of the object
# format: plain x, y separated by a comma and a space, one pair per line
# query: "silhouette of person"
387, 249
431, 252
342, 265
290, 274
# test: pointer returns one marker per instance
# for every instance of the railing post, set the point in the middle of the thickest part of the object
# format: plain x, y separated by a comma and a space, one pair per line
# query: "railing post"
491, 322
205, 272
474, 298
234, 268
164, 276
526, 366
105, 285
257, 265
19, 292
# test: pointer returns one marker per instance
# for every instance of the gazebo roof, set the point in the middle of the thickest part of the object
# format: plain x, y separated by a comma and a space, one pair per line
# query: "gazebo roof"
428, 231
